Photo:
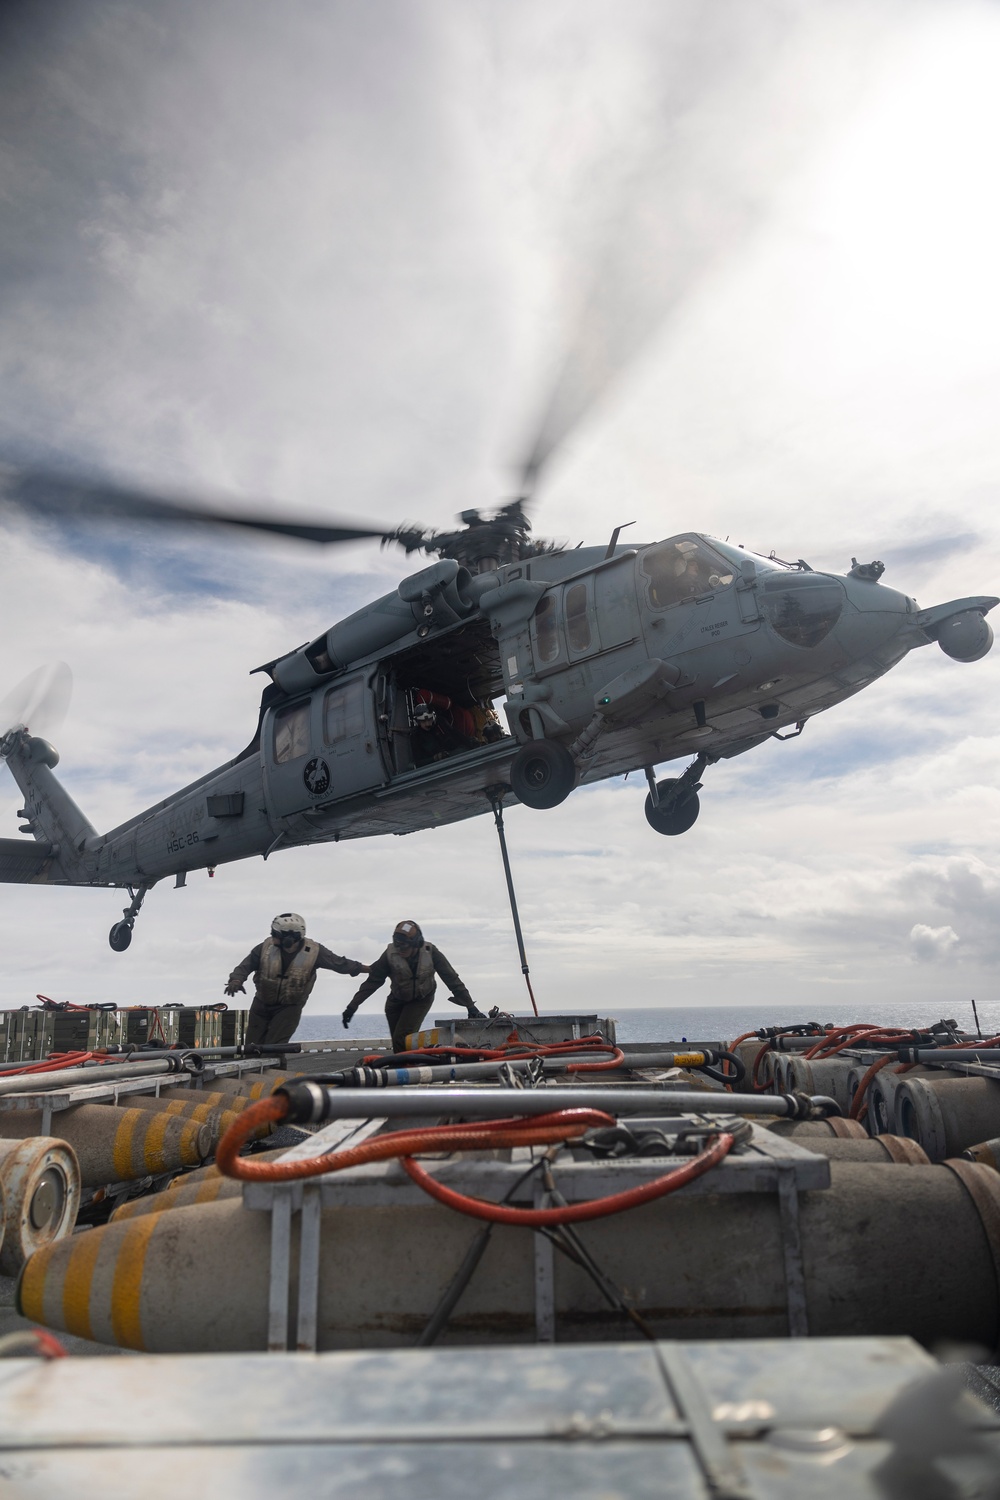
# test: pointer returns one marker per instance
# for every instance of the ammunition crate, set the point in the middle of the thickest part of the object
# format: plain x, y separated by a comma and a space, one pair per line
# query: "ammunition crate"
62, 1031
21, 1036
106, 1029
233, 1027
33, 1034
7, 1018
199, 1028
150, 1026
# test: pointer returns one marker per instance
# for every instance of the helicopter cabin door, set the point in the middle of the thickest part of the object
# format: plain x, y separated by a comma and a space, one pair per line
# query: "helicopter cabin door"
323, 748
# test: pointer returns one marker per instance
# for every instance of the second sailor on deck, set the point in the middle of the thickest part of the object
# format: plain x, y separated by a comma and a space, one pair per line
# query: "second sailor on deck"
412, 966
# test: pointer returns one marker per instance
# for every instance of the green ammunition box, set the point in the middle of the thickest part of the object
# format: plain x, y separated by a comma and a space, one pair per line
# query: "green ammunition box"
30, 1035
21, 1035
199, 1028
233, 1027
63, 1031
106, 1029
149, 1026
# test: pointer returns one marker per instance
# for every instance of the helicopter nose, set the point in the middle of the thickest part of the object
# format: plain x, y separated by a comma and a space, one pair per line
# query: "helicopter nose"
870, 597
802, 608
877, 619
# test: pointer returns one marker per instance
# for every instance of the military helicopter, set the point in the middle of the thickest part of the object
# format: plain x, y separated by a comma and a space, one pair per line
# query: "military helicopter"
601, 660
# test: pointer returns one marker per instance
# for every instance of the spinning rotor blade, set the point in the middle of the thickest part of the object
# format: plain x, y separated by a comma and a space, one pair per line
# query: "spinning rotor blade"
729, 111
47, 493
40, 702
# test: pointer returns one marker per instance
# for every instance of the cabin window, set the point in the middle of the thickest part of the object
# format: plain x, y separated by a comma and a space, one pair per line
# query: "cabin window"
291, 733
577, 617
546, 635
683, 569
802, 607
344, 712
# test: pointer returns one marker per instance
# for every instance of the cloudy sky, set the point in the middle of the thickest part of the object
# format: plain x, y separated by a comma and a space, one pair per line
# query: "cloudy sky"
728, 268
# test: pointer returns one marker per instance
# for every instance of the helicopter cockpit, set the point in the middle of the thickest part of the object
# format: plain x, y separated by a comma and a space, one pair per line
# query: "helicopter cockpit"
683, 568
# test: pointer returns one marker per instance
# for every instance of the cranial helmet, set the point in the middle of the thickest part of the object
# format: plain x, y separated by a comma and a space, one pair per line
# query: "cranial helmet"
424, 715
407, 935
288, 924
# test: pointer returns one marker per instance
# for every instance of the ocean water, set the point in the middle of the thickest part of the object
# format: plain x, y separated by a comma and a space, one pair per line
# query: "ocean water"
708, 1023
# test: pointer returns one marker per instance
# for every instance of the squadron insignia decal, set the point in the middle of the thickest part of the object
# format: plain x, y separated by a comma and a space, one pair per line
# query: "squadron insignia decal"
317, 777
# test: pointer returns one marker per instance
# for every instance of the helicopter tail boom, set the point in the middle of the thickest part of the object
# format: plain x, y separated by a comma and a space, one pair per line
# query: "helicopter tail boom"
60, 854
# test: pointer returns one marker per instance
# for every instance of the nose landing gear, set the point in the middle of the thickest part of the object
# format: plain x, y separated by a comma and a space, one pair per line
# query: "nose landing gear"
121, 933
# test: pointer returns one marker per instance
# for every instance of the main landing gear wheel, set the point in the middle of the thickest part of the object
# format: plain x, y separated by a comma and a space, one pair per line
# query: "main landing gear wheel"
543, 774
672, 819
120, 936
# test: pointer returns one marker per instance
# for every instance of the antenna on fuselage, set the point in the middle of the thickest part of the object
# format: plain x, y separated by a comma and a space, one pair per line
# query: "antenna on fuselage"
614, 538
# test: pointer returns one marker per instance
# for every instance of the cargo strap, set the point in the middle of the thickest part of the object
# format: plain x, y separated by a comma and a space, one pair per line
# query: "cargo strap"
305, 1197
791, 1246
716, 1457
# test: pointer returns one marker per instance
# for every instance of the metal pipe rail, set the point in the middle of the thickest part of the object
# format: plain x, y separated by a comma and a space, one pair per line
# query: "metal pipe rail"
61, 1078
946, 1055
375, 1076
184, 1066
129, 1054
311, 1103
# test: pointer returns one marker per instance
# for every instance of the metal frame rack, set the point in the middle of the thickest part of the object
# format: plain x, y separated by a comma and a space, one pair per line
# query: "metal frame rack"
769, 1164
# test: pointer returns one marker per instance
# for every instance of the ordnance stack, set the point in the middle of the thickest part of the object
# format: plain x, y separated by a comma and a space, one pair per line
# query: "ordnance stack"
35, 1032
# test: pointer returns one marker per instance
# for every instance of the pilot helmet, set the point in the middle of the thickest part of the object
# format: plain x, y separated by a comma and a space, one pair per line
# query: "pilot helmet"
288, 925
407, 935
425, 716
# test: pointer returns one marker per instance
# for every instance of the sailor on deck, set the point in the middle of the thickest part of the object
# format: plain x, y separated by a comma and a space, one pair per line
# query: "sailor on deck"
284, 969
411, 965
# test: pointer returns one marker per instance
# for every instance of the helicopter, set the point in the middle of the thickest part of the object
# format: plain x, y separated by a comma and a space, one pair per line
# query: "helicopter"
507, 670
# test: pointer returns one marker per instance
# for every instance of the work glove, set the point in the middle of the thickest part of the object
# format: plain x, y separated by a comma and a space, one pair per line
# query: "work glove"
235, 989
347, 1017
357, 969
475, 1014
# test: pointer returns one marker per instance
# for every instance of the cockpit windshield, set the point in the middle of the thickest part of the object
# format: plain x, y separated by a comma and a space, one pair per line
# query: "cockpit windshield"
683, 568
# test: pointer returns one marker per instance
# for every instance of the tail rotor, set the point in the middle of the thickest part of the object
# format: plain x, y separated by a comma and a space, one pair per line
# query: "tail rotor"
39, 703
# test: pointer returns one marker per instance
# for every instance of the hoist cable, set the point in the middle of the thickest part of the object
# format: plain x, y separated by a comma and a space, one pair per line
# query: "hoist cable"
496, 802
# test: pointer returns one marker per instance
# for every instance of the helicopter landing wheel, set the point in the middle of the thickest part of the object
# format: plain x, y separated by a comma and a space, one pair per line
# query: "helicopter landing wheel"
120, 936
542, 774
676, 819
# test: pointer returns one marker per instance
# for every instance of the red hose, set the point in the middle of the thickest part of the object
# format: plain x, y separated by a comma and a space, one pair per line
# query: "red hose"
731, 1047
856, 1112
859, 1108
53, 1064
535, 1130
760, 1088
573, 1213
538, 1130
841, 1036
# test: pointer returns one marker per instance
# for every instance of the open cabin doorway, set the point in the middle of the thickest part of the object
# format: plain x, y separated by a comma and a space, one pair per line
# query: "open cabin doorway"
441, 697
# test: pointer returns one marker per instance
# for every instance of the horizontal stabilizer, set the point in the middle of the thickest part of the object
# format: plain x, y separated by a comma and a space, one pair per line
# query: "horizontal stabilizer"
24, 862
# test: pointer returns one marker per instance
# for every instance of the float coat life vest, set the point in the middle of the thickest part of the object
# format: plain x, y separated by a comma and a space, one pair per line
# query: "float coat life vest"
294, 986
405, 985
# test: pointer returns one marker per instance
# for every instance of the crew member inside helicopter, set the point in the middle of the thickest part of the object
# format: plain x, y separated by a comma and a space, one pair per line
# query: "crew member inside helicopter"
441, 727
284, 968
410, 964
